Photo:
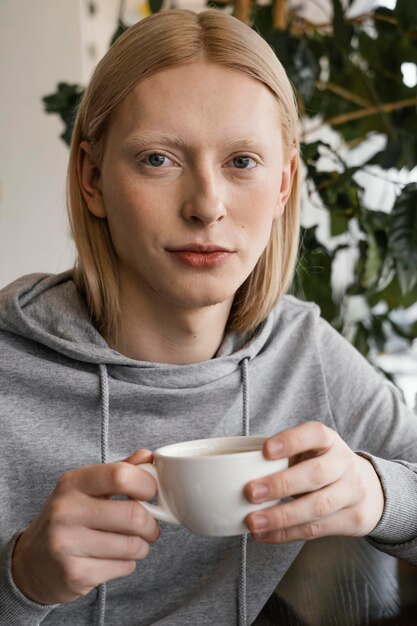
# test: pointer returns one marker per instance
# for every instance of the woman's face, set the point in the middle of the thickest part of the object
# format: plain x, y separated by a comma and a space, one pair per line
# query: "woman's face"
191, 180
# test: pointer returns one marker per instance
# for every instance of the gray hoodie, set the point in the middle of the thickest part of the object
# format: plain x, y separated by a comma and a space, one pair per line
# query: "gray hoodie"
68, 400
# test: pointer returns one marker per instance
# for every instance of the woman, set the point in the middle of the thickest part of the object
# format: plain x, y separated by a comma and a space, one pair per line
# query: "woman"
183, 201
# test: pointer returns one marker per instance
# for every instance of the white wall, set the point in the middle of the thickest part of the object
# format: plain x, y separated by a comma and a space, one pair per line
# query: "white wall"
39, 46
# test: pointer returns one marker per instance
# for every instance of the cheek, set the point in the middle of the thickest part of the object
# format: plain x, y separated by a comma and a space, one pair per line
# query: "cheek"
261, 216
257, 226
129, 207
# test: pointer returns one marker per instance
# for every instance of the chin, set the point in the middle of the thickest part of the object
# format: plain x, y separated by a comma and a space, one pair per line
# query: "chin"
202, 298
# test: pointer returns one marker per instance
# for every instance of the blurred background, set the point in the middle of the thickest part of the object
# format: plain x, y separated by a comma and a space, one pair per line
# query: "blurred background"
365, 288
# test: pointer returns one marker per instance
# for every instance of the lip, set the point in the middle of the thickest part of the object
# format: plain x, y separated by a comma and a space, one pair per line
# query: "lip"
201, 256
200, 247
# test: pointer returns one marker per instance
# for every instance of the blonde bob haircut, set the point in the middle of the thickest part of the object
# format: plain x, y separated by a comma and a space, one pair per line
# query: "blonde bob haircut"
162, 40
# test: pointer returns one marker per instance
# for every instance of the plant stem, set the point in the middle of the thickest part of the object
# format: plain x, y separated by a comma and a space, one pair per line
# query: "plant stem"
307, 25
344, 93
337, 120
391, 20
242, 10
280, 15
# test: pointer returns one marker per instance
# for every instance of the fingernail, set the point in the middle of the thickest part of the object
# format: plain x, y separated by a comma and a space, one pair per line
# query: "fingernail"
263, 535
260, 521
259, 491
275, 447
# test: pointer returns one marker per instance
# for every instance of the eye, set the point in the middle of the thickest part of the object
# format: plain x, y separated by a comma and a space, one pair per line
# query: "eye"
155, 160
242, 162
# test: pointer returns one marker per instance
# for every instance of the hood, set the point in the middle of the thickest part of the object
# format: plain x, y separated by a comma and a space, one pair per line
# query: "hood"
48, 310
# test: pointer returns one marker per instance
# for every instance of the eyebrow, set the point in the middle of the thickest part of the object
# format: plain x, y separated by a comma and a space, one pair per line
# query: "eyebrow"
145, 137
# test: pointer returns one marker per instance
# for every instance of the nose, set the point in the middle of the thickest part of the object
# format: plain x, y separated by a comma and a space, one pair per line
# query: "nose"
204, 203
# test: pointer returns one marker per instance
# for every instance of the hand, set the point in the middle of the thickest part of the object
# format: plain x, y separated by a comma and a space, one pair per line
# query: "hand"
81, 537
336, 491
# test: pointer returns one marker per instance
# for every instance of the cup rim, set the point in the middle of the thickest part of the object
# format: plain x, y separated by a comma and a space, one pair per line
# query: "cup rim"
210, 445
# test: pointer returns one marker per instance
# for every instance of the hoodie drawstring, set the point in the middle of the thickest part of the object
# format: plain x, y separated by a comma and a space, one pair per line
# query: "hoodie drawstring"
241, 593
105, 405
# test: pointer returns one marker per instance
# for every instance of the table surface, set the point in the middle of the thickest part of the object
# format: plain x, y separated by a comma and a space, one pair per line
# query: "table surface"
341, 581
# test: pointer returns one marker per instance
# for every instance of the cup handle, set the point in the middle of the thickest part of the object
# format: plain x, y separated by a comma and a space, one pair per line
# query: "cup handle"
161, 510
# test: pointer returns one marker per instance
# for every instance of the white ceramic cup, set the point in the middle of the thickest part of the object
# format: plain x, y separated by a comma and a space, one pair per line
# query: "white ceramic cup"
200, 483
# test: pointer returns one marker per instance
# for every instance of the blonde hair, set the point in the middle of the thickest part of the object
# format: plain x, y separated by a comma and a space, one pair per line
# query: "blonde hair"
166, 39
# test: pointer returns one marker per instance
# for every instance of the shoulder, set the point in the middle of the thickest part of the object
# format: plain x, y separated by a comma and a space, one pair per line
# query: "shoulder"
290, 329
308, 333
301, 327
295, 316
292, 307
32, 307
30, 287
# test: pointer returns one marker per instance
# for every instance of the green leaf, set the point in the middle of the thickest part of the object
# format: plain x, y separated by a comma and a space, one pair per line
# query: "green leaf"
314, 273
373, 262
155, 5
310, 151
64, 102
357, 287
300, 63
406, 13
378, 334
393, 295
338, 224
390, 156
306, 70
409, 333
262, 20
361, 338
407, 278
339, 192
403, 228
217, 4
342, 31
121, 28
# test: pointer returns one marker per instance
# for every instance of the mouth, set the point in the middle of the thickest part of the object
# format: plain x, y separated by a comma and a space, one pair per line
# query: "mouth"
202, 256
200, 247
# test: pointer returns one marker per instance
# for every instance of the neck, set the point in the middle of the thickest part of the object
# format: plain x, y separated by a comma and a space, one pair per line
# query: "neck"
169, 334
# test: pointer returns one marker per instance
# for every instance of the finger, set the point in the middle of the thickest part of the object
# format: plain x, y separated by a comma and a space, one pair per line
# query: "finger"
115, 546
87, 573
304, 477
119, 478
344, 522
127, 517
303, 438
140, 456
311, 507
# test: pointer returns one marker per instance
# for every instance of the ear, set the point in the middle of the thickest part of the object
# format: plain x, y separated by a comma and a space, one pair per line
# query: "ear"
288, 172
89, 178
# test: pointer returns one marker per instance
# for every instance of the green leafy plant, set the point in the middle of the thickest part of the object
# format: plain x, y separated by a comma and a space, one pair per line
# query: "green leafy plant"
348, 77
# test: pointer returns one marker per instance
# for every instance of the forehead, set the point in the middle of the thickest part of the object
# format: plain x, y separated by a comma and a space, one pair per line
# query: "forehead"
199, 99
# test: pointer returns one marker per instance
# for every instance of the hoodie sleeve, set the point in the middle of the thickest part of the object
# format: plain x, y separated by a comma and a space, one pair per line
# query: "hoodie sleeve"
370, 416
15, 608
